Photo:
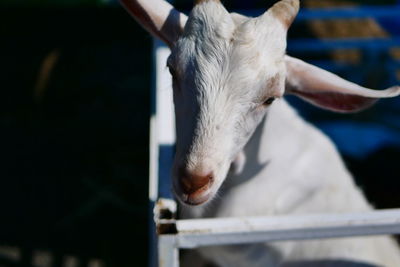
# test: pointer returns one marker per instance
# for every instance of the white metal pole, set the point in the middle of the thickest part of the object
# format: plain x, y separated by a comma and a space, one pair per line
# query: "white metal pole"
168, 252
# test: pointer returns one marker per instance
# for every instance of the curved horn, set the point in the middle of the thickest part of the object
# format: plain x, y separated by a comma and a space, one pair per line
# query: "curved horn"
158, 17
285, 11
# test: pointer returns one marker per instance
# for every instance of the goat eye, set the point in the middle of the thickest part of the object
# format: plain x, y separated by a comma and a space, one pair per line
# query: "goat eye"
269, 101
172, 72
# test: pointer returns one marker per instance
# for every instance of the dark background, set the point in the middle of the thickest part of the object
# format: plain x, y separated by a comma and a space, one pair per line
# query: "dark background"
75, 79
74, 153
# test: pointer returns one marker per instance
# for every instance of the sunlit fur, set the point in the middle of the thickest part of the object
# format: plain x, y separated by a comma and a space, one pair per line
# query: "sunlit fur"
218, 103
291, 168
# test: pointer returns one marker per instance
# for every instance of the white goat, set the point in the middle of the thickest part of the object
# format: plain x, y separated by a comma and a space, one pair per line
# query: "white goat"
256, 154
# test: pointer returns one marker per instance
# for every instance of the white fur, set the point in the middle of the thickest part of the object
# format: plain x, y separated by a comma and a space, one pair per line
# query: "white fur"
303, 174
216, 67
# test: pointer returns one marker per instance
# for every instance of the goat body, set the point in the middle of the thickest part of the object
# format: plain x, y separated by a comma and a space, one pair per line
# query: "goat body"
290, 167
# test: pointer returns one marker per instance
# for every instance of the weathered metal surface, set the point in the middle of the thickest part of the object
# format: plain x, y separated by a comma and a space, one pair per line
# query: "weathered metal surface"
204, 232
168, 253
164, 216
165, 209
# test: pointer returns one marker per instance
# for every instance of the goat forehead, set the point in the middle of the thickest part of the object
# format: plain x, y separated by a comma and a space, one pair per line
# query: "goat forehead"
210, 20
227, 75
215, 57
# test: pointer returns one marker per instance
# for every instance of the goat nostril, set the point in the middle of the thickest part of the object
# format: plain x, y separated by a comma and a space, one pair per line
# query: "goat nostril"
192, 182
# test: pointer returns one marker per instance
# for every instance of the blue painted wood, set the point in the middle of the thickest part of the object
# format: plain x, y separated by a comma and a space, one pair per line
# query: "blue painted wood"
314, 45
337, 13
349, 12
166, 155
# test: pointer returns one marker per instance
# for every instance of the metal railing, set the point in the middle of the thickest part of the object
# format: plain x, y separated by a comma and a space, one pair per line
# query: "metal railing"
188, 234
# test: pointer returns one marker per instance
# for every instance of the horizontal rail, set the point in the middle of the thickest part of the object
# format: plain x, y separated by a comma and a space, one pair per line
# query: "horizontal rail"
221, 231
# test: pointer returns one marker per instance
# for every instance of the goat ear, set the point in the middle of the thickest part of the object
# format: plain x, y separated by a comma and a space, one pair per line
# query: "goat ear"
329, 91
158, 17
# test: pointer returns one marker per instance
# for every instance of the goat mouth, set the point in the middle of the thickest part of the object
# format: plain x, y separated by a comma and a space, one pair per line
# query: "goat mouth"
195, 199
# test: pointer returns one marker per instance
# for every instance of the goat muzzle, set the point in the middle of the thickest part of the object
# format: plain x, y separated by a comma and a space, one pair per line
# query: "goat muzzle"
193, 187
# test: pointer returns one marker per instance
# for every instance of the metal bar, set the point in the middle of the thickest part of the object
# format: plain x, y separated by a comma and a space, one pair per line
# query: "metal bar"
220, 231
165, 120
168, 253
153, 162
161, 134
